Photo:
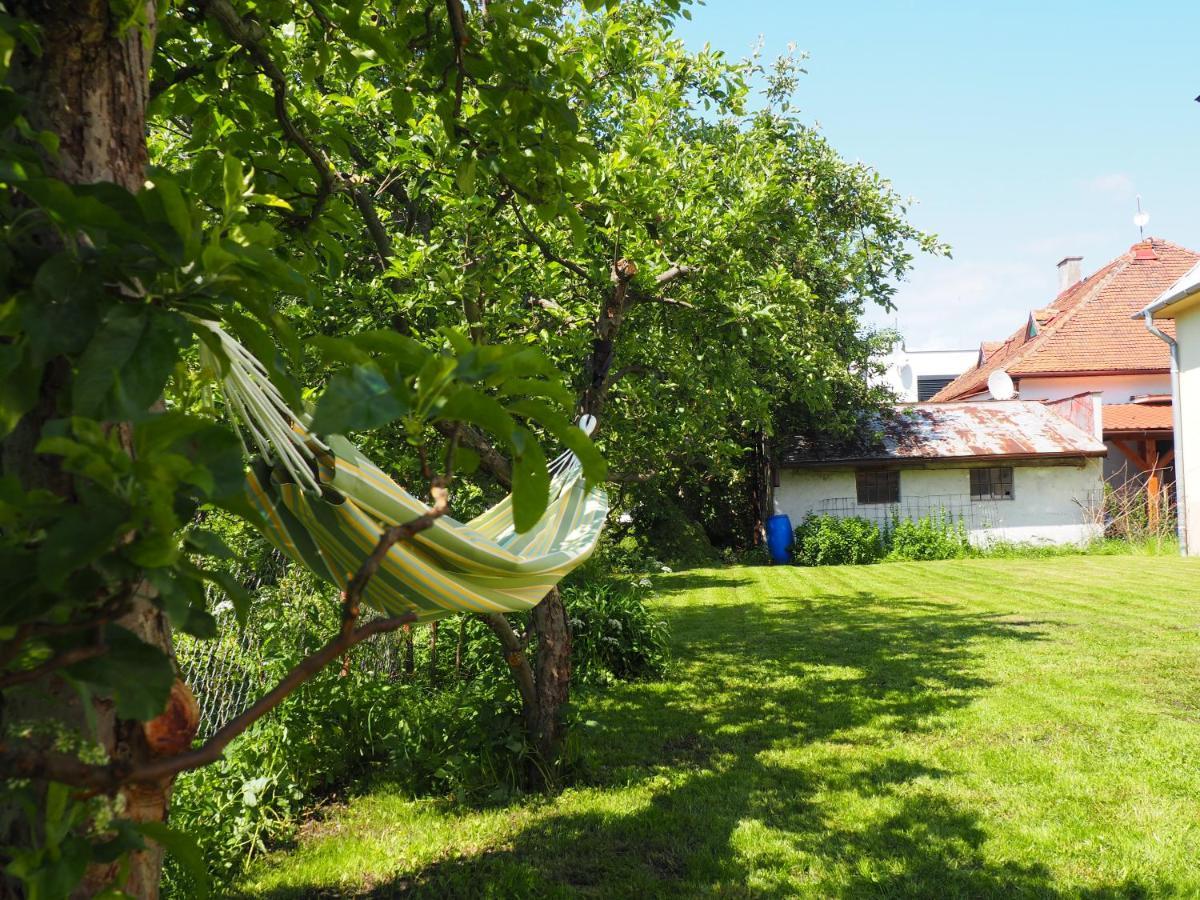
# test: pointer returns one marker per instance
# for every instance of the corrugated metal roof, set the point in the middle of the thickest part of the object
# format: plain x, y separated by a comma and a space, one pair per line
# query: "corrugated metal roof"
991, 429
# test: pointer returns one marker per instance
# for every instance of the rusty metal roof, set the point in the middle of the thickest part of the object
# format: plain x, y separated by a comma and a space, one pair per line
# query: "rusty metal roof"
925, 432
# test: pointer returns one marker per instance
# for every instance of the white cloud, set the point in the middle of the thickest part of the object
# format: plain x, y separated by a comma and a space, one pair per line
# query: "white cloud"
955, 304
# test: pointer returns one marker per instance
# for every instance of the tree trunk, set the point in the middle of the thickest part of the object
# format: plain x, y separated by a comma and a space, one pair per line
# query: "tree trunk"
552, 676
544, 685
89, 86
604, 345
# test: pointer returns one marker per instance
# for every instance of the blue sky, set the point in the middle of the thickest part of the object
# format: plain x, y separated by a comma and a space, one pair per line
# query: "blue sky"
1023, 130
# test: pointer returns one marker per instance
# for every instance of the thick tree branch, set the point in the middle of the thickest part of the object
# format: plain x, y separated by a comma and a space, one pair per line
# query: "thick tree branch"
379, 235
458, 27
672, 274
514, 655
665, 301
250, 35
25, 761
489, 457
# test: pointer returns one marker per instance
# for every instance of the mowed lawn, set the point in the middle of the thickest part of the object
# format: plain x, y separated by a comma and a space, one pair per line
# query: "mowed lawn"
979, 728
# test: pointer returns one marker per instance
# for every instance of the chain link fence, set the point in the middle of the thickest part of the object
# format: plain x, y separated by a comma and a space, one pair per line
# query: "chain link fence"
228, 673
954, 509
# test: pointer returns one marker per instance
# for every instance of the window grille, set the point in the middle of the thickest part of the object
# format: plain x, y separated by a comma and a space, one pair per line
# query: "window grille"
992, 483
877, 486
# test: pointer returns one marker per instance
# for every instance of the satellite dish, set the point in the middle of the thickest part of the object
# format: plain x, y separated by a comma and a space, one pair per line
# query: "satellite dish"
1001, 386
1141, 218
906, 375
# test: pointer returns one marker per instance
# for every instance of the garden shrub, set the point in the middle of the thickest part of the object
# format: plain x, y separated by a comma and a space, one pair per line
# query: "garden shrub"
447, 728
830, 541
927, 538
614, 635
674, 537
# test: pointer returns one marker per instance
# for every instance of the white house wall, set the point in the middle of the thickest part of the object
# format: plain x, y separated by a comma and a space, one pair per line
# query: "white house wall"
1052, 504
1187, 330
1114, 388
903, 367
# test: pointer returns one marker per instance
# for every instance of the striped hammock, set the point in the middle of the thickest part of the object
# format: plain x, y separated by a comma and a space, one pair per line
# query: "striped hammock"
330, 524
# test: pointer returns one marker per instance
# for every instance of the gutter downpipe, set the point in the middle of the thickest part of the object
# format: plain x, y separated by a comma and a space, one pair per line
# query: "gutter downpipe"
1177, 427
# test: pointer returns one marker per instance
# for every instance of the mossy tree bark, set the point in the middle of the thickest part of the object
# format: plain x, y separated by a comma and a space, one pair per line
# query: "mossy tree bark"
89, 86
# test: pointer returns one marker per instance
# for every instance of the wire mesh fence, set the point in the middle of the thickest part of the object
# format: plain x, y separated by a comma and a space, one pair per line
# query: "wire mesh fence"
1116, 514
228, 673
955, 509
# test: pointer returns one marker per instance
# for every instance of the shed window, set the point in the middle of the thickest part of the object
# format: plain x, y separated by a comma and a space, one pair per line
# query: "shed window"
877, 485
993, 483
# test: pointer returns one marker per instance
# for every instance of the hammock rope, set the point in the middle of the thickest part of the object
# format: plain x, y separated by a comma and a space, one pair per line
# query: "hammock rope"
325, 505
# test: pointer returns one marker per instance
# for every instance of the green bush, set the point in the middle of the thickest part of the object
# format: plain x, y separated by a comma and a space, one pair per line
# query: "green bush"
614, 636
927, 538
830, 541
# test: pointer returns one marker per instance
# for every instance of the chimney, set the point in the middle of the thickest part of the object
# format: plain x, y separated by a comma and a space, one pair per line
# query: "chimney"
1068, 272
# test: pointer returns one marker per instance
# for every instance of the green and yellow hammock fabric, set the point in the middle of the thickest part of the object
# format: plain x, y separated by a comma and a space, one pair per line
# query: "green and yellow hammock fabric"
331, 521
479, 566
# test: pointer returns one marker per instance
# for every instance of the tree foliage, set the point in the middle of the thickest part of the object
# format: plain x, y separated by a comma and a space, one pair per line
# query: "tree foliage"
416, 214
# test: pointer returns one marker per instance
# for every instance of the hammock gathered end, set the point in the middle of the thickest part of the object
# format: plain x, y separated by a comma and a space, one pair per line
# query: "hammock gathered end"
325, 506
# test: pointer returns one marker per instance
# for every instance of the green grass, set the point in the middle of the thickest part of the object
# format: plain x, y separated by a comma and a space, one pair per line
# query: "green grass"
975, 728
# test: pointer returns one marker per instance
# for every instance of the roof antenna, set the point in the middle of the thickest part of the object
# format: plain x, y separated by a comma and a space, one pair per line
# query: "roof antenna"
1141, 219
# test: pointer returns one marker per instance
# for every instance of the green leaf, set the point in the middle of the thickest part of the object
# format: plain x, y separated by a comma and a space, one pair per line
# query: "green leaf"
531, 480
235, 590
81, 535
234, 184
19, 383
465, 177
356, 398
186, 852
207, 543
470, 406
595, 468
181, 595
125, 366
466, 460
178, 213
137, 675
406, 354
538, 387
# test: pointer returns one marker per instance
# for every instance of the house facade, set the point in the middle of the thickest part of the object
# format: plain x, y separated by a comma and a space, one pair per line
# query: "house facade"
1174, 319
1085, 341
914, 376
1020, 471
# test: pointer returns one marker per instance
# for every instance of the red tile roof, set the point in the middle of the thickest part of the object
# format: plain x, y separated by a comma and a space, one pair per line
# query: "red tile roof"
1137, 417
1088, 329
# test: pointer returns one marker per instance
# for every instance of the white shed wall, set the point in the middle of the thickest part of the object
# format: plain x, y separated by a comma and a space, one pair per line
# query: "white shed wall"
1050, 504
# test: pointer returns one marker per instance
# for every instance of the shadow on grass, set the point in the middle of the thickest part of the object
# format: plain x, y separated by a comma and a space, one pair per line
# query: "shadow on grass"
772, 706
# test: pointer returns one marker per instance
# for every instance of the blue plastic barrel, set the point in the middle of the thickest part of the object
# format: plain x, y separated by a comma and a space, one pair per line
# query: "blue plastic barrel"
779, 539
